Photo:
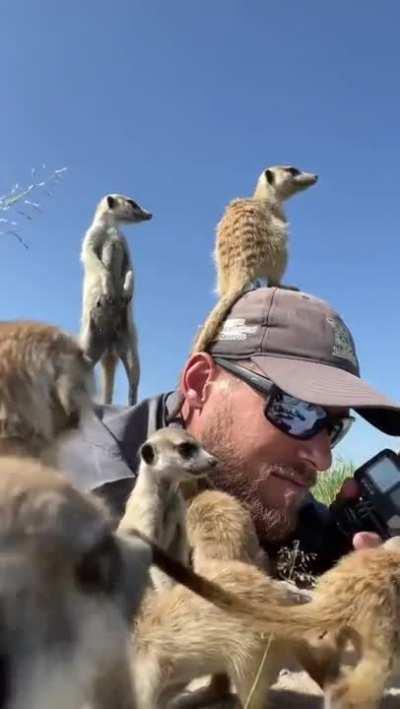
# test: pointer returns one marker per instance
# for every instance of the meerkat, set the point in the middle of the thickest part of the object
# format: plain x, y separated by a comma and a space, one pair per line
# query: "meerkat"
252, 242
220, 530
178, 637
219, 526
156, 506
357, 600
108, 331
46, 384
67, 592
362, 592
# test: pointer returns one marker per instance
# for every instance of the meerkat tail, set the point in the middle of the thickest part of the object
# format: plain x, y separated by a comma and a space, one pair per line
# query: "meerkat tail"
108, 365
215, 319
286, 621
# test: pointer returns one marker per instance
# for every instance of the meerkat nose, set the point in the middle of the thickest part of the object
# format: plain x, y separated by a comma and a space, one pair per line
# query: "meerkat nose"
147, 215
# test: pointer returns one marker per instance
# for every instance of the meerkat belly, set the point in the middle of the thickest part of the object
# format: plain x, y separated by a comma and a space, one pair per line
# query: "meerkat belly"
113, 257
251, 241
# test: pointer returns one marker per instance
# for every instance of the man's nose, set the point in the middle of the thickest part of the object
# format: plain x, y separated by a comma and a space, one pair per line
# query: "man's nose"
317, 451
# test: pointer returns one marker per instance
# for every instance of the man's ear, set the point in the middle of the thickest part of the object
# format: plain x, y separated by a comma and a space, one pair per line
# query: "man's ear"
199, 372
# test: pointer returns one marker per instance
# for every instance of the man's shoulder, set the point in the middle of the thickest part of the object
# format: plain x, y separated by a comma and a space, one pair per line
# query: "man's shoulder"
104, 448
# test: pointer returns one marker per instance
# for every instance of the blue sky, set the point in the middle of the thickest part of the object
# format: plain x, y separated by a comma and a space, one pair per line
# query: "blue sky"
181, 105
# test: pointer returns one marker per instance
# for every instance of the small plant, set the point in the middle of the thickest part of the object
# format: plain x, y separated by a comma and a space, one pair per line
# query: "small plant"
19, 201
293, 564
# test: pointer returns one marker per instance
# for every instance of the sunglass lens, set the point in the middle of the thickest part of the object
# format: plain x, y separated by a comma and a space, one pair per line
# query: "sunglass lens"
339, 428
296, 417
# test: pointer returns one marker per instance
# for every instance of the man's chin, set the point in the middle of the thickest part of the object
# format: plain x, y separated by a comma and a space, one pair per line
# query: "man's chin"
285, 494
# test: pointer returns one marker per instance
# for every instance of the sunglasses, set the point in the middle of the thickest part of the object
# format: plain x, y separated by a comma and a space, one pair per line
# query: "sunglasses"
295, 417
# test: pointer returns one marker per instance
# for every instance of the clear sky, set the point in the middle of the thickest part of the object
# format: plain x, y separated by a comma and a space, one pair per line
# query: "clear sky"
181, 105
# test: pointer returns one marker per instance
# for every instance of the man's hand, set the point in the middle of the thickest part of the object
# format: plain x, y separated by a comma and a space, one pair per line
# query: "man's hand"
361, 540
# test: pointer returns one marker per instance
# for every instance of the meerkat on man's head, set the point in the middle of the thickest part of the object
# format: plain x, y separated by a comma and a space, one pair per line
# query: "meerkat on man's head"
251, 242
108, 332
45, 386
156, 506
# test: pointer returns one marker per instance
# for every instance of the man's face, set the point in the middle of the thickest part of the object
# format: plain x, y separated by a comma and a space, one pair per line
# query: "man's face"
269, 470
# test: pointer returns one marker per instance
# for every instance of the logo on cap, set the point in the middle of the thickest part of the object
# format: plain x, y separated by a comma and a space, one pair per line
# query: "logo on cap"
236, 329
343, 346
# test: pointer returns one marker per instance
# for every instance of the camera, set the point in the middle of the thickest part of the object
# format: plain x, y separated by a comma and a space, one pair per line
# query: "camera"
377, 508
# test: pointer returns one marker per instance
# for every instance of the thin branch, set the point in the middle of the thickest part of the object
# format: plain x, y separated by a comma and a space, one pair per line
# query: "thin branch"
17, 197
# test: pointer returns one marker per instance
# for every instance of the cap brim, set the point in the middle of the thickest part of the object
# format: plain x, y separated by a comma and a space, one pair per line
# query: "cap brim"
327, 386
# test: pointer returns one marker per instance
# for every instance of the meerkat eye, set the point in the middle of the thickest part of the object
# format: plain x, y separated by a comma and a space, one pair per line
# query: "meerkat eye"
293, 171
133, 204
148, 454
270, 176
187, 450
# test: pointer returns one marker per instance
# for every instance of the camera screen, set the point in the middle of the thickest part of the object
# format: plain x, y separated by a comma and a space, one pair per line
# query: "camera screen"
385, 474
395, 497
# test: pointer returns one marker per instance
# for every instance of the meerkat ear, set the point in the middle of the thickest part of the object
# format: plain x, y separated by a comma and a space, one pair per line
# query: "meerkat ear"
111, 202
270, 176
148, 453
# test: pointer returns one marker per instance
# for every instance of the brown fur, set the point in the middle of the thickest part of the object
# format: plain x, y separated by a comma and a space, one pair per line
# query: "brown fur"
108, 332
65, 595
179, 636
156, 506
359, 598
221, 527
45, 384
221, 532
363, 593
251, 243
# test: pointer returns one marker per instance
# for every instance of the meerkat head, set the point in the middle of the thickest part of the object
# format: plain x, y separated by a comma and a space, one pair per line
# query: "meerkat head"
68, 587
284, 181
174, 455
123, 209
46, 385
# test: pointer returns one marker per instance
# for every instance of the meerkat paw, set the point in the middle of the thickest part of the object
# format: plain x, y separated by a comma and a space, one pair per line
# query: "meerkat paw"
105, 299
125, 299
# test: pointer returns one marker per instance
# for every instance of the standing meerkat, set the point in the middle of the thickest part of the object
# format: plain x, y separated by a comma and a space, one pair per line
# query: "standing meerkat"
156, 506
45, 386
251, 242
108, 332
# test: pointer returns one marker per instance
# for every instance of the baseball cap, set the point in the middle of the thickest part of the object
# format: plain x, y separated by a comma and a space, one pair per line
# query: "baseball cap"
301, 344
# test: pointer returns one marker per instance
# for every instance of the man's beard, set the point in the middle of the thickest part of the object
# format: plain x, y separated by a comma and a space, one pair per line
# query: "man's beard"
233, 476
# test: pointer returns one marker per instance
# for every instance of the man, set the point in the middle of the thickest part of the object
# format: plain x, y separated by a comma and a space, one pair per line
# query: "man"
270, 400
